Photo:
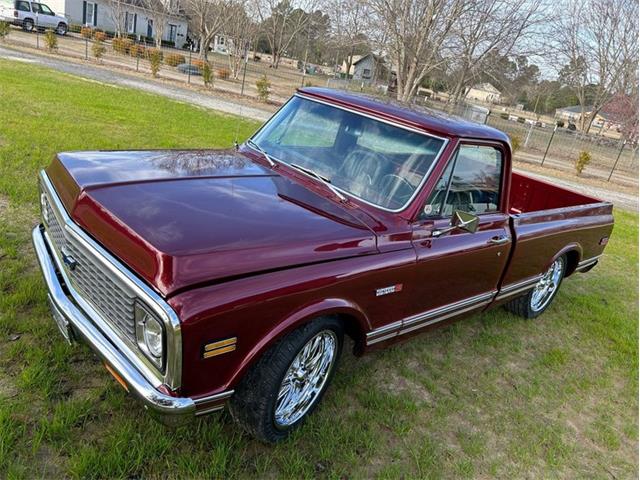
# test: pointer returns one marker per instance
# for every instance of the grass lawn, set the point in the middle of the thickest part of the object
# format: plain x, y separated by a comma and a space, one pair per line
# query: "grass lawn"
491, 396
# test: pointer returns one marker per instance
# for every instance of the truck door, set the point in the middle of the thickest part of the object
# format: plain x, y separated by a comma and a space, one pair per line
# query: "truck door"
458, 271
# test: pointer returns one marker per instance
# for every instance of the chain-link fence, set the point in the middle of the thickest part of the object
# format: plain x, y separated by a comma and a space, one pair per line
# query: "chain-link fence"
253, 77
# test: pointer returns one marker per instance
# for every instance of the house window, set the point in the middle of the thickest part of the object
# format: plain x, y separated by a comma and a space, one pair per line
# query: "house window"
366, 73
130, 22
91, 8
173, 29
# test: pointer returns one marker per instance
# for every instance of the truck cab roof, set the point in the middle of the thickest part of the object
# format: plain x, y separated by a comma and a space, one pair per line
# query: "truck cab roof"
414, 116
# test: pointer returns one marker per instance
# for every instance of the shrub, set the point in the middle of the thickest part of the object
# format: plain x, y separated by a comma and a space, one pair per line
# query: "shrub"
86, 32
4, 30
516, 142
137, 50
155, 60
264, 88
198, 63
520, 119
98, 49
99, 36
174, 59
560, 123
583, 160
223, 73
122, 45
50, 40
504, 116
207, 74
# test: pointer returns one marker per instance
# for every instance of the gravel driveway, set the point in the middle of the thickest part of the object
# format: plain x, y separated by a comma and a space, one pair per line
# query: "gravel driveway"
122, 79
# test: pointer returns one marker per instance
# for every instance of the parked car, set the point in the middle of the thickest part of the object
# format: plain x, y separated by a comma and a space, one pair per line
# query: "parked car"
211, 277
32, 15
187, 68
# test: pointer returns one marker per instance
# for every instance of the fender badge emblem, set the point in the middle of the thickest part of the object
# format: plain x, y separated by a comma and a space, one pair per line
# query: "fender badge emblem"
387, 290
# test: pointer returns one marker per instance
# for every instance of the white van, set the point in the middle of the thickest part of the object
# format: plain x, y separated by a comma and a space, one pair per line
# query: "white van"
31, 15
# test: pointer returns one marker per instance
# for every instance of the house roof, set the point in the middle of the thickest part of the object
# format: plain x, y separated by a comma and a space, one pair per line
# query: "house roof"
487, 87
414, 116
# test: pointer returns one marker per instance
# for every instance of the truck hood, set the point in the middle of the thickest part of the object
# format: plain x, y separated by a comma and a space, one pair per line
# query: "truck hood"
180, 219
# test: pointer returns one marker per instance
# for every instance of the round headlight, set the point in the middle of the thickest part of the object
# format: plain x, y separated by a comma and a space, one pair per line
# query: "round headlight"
153, 336
150, 335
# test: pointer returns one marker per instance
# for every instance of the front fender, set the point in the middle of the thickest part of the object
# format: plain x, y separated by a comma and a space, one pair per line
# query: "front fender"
331, 306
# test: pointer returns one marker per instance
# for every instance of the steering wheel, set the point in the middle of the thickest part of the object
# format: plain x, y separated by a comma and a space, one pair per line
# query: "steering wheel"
359, 170
396, 185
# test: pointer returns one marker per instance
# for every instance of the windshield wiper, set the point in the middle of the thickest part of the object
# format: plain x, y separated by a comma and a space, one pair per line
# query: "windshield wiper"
323, 179
255, 146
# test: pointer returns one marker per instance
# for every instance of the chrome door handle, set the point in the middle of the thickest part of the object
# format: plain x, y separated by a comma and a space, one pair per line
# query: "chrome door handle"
499, 240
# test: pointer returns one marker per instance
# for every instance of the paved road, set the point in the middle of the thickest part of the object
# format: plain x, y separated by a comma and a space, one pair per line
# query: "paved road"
119, 78
622, 200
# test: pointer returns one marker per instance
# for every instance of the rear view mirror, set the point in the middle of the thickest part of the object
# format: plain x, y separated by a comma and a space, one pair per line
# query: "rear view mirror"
462, 220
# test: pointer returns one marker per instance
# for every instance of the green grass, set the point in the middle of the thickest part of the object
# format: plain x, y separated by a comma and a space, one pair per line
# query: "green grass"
493, 395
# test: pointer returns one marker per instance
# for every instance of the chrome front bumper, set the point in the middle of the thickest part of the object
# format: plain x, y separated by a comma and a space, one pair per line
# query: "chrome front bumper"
169, 410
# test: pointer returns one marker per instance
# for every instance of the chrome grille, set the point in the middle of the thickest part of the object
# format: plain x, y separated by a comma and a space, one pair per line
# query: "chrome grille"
113, 301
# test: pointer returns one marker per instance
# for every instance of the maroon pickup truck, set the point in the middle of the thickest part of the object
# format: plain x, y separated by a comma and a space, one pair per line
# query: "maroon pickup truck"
205, 278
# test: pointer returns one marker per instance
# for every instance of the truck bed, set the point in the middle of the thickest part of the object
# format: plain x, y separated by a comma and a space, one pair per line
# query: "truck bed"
530, 195
548, 220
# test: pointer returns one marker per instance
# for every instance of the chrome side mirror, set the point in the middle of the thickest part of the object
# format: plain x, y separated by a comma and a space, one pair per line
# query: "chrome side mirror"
462, 220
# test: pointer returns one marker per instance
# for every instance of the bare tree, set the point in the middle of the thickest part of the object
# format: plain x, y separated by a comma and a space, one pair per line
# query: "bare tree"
160, 12
281, 21
597, 52
118, 13
487, 27
240, 30
415, 33
350, 22
207, 19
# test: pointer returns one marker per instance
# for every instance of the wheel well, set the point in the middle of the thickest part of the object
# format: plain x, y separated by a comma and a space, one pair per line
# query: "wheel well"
354, 330
573, 258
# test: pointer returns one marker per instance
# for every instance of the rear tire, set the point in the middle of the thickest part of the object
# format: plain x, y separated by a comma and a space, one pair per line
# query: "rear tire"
286, 384
538, 300
28, 25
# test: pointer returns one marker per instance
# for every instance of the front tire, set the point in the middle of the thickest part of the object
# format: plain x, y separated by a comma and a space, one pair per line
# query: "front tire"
538, 300
62, 29
285, 386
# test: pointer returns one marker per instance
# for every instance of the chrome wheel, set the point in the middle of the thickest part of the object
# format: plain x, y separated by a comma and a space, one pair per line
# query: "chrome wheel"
545, 289
305, 378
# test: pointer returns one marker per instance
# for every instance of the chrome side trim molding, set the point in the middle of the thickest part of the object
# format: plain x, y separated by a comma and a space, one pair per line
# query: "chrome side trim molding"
589, 262
430, 317
173, 371
516, 288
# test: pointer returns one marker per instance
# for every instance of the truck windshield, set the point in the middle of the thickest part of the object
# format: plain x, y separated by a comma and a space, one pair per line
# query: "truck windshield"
379, 163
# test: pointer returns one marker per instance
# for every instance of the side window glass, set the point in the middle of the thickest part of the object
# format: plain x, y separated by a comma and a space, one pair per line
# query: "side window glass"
35, 7
434, 203
22, 6
473, 187
45, 10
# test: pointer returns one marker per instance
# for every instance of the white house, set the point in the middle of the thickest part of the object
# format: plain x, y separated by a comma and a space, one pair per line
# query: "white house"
485, 92
134, 17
